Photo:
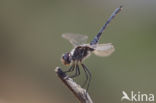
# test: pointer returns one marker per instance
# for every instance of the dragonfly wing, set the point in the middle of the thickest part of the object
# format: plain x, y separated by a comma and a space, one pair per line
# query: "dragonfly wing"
104, 49
75, 39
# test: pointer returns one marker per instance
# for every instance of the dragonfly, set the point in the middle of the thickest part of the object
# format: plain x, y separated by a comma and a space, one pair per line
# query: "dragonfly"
82, 50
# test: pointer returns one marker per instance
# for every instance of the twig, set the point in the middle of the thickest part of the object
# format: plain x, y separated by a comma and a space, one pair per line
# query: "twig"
79, 92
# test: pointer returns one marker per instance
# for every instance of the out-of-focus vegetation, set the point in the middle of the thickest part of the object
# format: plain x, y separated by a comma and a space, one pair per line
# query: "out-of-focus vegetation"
31, 47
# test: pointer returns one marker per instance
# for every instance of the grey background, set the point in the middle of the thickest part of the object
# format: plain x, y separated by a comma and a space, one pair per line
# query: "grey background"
31, 47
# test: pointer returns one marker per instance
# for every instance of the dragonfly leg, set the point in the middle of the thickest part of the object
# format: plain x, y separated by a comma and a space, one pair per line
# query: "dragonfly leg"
89, 76
86, 74
70, 69
77, 72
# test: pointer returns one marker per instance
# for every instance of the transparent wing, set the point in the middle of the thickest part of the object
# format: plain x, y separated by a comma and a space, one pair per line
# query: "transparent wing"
75, 39
103, 49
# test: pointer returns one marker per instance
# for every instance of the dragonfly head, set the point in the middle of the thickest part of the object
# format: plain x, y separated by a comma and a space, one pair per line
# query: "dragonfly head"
66, 59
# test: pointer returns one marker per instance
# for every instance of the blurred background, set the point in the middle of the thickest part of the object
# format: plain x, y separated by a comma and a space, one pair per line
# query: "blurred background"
31, 46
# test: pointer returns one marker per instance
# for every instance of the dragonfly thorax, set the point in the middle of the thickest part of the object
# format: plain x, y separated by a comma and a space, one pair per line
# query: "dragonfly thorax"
81, 52
77, 54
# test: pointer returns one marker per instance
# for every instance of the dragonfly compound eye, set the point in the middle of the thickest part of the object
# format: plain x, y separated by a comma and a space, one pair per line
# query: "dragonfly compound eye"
66, 59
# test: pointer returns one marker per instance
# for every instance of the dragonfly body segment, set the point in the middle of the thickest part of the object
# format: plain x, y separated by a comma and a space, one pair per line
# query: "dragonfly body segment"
97, 37
81, 52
